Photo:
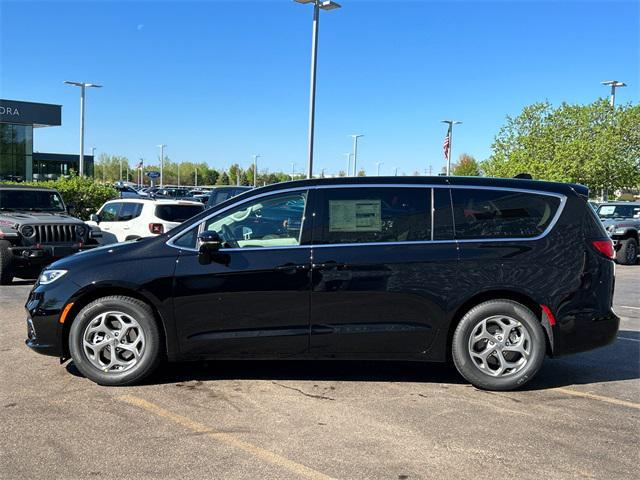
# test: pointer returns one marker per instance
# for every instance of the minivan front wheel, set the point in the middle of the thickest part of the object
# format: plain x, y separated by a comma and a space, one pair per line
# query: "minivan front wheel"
115, 340
498, 345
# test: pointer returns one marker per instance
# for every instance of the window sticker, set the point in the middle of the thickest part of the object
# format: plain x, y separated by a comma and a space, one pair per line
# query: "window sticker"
607, 209
355, 215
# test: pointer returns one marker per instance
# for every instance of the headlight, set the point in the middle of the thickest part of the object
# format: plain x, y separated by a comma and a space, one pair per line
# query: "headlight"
50, 276
28, 231
80, 230
619, 231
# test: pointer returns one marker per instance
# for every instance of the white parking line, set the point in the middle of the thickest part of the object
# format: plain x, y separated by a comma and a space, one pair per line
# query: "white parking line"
630, 339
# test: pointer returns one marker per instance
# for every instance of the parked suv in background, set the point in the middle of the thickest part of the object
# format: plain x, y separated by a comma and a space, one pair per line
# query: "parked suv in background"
36, 229
622, 222
220, 194
129, 219
493, 273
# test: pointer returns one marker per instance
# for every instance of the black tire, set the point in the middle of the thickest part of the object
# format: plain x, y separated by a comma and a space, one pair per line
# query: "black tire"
627, 254
6, 263
143, 315
469, 325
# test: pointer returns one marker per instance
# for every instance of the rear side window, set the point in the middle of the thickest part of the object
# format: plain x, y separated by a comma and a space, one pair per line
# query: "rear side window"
480, 214
366, 215
177, 213
130, 211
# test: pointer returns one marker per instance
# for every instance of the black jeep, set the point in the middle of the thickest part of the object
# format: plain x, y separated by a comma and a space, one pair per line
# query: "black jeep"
622, 222
35, 230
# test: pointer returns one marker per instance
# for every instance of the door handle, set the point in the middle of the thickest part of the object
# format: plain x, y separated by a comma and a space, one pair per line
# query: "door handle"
290, 268
330, 265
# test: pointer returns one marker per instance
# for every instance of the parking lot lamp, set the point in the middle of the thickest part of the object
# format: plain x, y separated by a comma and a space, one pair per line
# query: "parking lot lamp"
378, 168
82, 86
613, 84
348, 155
161, 146
317, 6
355, 153
449, 137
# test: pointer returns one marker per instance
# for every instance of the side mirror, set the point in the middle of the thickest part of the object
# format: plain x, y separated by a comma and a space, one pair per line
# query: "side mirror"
210, 244
94, 217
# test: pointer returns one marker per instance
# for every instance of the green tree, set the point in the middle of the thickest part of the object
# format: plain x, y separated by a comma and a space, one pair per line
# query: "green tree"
467, 166
589, 144
223, 179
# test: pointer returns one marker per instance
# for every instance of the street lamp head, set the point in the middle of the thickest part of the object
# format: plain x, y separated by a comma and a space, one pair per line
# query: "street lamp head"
329, 5
82, 84
613, 83
304, 1
356, 135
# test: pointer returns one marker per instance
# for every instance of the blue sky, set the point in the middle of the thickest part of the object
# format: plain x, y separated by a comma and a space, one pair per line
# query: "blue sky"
219, 81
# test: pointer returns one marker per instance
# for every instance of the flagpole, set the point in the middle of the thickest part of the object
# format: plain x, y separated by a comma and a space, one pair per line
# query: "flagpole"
451, 123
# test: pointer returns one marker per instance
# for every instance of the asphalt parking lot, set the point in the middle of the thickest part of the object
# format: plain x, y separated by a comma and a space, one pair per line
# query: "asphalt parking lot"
580, 417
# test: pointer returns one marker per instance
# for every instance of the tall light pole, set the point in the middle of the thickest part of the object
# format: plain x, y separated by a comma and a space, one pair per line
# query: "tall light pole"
317, 6
348, 155
293, 171
355, 153
178, 173
93, 155
161, 147
82, 86
613, 84
196, 176
396, 173
451, 123
255, 170
378, 168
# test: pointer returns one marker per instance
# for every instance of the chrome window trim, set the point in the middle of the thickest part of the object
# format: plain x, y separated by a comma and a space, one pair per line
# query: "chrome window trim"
200, 225
562, 197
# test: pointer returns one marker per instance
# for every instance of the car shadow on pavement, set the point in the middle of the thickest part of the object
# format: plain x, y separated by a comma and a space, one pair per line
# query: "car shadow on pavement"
616, 362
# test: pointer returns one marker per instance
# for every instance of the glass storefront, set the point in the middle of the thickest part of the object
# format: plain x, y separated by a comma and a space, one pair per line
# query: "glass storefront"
16, 152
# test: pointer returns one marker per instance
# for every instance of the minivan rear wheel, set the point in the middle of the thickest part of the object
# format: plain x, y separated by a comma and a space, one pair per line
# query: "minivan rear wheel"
498, 345
115, 340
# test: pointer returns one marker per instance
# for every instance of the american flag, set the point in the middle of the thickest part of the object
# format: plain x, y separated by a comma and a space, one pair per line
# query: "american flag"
445, 145
140, 163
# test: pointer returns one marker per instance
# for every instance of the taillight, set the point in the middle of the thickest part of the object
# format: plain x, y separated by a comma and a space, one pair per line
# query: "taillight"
156, 228
605, 247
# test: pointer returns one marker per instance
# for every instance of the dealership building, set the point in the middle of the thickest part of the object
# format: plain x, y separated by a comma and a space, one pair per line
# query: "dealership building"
18, 161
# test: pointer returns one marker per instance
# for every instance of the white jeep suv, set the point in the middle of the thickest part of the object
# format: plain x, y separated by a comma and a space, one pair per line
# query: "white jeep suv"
128, 218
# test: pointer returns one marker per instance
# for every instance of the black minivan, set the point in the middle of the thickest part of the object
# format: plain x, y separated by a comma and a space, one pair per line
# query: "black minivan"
494, 274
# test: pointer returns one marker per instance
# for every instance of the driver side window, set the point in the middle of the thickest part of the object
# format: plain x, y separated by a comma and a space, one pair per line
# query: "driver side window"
274, 221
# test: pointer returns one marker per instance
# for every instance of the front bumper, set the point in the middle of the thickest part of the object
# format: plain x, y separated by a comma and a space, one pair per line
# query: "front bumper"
44, 307
38, 255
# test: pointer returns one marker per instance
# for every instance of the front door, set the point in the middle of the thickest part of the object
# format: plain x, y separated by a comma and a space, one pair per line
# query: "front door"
253, 299
380, 281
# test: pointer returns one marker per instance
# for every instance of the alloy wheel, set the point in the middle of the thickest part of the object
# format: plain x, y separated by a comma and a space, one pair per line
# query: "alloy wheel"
500, 346
113, 342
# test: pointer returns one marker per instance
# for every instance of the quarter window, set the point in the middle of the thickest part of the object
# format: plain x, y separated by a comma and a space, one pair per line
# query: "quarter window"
367, 215
274, 221
482, 213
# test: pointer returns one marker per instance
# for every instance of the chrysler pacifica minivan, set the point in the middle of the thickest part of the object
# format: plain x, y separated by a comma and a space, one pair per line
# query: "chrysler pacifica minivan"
494, 274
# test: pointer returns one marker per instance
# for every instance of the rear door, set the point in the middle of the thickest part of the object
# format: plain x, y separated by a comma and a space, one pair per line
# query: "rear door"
380, 278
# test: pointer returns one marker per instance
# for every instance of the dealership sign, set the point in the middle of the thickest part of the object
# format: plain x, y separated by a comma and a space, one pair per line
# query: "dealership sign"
29, 113
153, 174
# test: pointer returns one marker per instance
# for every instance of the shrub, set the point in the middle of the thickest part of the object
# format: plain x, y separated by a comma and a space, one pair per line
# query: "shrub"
84, 195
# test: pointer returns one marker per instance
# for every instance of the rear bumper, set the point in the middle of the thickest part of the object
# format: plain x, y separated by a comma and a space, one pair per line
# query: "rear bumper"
584, 332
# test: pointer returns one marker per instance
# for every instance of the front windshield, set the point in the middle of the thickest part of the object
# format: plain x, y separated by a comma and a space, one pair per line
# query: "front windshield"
40, 200
619, 211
